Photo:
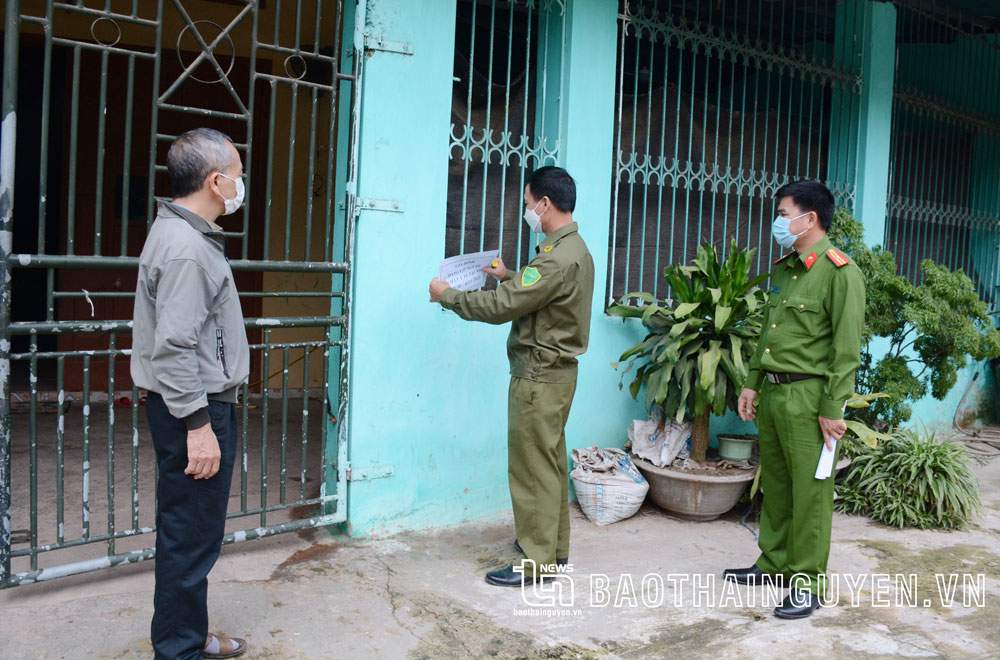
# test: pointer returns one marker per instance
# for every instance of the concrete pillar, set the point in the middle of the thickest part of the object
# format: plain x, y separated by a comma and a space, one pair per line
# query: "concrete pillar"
861, 126
411, 438
584, 108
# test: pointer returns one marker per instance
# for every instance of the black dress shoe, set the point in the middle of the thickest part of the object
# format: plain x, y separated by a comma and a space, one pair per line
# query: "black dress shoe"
507, 577
798, 604
559, 562
752, 575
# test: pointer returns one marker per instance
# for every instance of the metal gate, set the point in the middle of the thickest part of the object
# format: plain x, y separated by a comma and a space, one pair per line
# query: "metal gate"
94, 93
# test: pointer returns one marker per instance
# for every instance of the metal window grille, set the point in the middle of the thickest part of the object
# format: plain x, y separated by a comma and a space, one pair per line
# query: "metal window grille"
944, 189
102, 93
508, 71
719, 104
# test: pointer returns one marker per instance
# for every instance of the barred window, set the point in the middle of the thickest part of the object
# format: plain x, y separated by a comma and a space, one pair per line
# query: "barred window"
944, 188
507, 66
718, 105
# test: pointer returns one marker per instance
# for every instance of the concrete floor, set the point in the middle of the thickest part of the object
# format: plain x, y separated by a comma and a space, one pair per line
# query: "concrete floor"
421, 595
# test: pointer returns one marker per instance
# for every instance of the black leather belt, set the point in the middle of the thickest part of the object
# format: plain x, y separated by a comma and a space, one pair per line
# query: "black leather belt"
787, 378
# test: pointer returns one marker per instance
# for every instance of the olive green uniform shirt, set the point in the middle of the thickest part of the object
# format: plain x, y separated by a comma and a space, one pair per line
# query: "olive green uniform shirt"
548, 302
813, 324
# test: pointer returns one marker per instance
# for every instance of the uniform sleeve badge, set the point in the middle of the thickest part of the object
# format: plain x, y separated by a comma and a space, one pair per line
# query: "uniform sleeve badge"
530, 276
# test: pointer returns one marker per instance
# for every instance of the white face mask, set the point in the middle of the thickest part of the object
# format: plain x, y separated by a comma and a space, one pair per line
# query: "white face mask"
533, 219
232, 205
782, 233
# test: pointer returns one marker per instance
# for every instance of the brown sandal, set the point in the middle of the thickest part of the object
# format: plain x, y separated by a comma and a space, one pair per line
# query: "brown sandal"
213, 649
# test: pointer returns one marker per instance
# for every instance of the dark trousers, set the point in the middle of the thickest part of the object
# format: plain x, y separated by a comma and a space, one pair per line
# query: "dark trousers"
190, 524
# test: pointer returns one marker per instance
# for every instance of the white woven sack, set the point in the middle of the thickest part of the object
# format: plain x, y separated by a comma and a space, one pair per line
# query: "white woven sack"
608, 486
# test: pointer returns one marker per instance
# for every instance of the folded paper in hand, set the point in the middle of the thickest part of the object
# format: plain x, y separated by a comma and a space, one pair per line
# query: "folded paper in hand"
825, 466
465, 272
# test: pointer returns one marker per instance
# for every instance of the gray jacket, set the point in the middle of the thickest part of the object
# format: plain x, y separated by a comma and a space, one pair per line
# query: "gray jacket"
189, 343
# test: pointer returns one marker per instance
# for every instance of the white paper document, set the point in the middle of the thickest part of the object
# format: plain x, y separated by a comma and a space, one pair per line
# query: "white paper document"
465, 272
825, 466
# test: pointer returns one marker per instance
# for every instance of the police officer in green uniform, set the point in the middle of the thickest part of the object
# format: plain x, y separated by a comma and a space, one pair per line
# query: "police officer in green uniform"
800, 378
548, 303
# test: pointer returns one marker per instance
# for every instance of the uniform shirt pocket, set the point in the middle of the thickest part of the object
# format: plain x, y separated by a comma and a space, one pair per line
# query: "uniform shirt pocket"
803, 315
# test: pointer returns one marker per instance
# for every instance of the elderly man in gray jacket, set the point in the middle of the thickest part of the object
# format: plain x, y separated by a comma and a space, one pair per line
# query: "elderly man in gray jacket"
190, 351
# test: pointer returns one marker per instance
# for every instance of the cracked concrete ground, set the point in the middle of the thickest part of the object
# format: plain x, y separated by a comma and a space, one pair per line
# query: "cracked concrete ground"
422, 595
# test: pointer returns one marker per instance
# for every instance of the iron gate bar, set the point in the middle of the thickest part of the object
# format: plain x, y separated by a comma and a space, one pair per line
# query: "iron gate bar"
8, 137
247, 294
78, 46
44, 147
105, 13
126, 352
28, 327
132, 263
265, 400
207, 53
126, 533
135, 556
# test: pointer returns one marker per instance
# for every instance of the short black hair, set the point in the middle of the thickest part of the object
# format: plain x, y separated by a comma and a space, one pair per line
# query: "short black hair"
810, 196
193, 156
556, 184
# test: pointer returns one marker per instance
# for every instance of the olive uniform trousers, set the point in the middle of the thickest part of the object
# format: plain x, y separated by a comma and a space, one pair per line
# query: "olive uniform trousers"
537, 467
797, 512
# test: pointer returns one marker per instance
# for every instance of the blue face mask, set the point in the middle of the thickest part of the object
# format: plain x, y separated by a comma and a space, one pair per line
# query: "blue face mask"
781, 231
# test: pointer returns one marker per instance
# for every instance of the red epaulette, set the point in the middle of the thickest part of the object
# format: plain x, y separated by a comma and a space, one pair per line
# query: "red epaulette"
838, 258
784, 257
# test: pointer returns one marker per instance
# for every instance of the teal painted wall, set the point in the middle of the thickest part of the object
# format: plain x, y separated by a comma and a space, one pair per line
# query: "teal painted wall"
428, 390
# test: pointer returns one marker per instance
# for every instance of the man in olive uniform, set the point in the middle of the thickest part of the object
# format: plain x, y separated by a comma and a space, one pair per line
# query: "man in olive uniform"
548, 303
803, 370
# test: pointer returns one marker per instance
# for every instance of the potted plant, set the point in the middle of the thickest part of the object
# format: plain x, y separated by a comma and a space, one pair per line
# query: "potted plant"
693, 363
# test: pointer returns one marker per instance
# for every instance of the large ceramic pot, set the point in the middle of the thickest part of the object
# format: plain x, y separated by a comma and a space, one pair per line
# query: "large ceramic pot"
693, 496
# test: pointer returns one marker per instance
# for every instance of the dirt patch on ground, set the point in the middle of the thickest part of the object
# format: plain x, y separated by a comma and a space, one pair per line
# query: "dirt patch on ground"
855, 622
291, 568
709, 638
460, 633
980, 618
962, 559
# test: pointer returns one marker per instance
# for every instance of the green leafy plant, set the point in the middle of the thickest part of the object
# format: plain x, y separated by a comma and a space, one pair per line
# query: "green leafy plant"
933, 329
694, 360
912, 479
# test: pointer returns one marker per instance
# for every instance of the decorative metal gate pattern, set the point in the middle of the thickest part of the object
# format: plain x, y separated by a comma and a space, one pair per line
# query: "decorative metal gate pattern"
720, 104
508, 70
944, 192
101, 94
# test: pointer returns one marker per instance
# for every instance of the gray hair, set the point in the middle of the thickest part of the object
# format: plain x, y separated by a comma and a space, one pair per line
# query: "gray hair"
194, 155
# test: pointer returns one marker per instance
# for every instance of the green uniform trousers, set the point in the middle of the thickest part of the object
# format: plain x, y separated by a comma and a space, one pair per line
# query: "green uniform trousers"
537, 467
797, 513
